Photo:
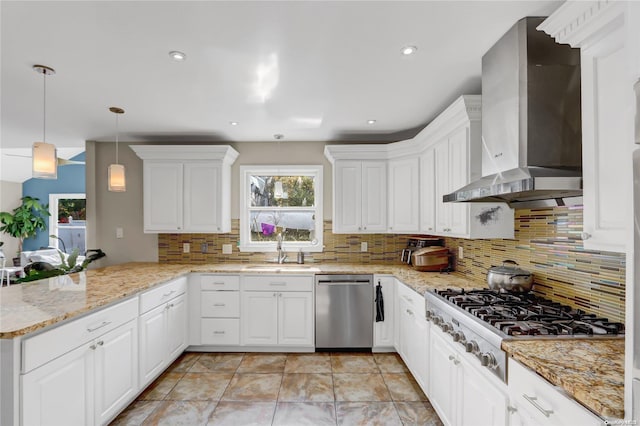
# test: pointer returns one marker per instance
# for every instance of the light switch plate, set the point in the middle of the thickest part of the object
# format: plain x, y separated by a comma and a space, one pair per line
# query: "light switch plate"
119, 232
227, 249
364, 246
186, 247
460, 253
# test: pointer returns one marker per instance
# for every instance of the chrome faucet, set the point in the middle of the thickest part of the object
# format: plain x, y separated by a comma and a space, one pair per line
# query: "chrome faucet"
281, 254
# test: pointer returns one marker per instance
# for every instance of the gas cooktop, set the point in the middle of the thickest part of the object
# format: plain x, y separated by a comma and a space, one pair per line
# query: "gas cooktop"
525, 314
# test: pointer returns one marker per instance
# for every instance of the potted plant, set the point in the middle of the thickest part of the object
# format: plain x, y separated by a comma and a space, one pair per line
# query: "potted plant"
25, 221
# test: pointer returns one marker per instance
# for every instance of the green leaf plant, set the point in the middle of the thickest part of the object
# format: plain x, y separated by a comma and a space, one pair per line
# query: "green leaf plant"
25, 220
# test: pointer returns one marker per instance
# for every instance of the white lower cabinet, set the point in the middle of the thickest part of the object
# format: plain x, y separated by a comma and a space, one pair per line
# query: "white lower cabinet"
383, 331
163, 328
277, 317
460, 393
88, 385
413, 340
536, 402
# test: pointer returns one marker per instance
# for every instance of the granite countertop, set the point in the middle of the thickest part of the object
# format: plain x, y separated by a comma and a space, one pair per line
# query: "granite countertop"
589, 370
28, 307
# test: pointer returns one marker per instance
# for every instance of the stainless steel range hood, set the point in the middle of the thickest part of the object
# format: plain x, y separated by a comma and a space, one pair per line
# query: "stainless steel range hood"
531, 125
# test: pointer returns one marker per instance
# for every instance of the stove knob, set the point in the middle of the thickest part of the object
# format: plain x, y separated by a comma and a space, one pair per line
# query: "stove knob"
436, 319
488, 360
445, 326
472, 346
458, 336
428, 314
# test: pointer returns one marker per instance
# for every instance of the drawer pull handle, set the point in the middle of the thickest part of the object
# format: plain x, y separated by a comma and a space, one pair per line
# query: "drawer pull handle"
219, 304
218, 332
454, 359
104, 324
409, 312
168, 294
101, 342
277, 283
408, 299
534, 401
218, 283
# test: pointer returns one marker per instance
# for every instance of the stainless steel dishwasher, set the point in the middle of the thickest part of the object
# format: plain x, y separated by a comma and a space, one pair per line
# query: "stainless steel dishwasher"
344, 311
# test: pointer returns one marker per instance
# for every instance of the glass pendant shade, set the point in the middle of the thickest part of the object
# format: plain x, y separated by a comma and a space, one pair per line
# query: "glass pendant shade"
117, 181
45, 160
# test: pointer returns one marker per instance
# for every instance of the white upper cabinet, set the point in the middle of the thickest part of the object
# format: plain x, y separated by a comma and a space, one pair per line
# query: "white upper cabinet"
428, 191
404, 193
186, 188
599, 29
360, 196
451, 159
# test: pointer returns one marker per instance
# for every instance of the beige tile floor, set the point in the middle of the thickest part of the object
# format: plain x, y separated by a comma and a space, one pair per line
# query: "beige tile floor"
283, 389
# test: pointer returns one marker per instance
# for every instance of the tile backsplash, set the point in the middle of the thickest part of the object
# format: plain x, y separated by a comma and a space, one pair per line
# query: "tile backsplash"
547, 242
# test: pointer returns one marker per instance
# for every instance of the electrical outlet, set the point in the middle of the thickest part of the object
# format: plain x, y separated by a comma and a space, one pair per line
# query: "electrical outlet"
364, 246
119, 233
460, 252
203, 247
186, 247
227, 249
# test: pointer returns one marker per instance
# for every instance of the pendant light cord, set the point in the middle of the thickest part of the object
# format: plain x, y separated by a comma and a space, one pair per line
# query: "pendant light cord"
44, 108
117, 131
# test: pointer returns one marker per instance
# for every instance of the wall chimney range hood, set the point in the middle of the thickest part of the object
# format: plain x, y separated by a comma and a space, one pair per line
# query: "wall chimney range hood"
531, 122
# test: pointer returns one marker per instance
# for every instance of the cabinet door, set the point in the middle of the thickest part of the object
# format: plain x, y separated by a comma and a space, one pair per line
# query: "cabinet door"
153, 343
404, 195
606, 149
295, 318
443, 210
60, 392
383, 331
374, 196
176, 327
459, 177
480, 402
419, 349
202, 197
259, 318
443, 379
347, 213
428, 191
116, 371
405, 317
163, 196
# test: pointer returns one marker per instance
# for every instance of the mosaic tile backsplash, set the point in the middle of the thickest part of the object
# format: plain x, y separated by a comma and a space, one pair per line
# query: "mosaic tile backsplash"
547, 242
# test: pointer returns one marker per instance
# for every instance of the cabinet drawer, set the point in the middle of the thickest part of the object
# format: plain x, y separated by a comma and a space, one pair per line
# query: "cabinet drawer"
221, 304
411, 297
44, 347
543, 401
220, 282
220, 331
278, 282
162, 294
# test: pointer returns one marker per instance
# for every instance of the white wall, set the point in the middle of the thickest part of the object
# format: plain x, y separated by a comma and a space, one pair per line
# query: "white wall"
108, 210
10, 194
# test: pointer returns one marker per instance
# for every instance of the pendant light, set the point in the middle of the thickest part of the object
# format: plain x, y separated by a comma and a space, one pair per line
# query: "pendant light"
44, 155
117, 181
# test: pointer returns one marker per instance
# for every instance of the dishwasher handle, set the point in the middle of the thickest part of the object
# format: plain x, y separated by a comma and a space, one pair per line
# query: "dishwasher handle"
344, 282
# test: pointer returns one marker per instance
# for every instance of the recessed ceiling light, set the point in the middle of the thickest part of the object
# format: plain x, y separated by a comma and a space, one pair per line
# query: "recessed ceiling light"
177, 55
371, 121
233, 123
409, 50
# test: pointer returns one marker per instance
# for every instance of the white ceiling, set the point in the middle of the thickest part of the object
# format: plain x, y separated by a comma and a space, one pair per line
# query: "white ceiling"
308, 70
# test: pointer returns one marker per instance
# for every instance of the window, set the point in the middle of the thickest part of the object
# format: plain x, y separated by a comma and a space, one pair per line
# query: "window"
281, 200
68, 222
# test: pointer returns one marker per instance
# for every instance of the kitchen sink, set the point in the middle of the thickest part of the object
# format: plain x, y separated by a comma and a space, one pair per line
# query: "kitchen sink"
280, 267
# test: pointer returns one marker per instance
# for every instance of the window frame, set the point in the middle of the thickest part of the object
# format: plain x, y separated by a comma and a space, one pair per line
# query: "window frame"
316, 171
54, 198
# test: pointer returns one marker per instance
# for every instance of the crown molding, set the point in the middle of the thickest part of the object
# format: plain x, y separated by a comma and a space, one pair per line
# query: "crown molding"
224, 153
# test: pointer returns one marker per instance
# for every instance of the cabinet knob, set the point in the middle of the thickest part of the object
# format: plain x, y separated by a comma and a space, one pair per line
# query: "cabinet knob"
365, 228
497, 155
359, 228
275, 294
93, 347
585, 235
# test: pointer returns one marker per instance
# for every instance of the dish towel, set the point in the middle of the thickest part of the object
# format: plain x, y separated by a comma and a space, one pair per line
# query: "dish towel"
379, 303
